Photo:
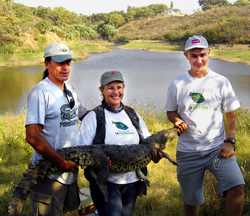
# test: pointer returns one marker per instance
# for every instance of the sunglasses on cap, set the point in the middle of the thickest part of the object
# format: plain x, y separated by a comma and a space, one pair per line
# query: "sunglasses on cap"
68, 94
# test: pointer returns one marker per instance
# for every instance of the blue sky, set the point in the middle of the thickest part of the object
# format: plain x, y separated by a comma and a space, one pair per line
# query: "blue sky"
88, 7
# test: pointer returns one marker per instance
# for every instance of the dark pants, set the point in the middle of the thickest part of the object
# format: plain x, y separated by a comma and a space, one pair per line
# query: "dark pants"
98, 198
121, 199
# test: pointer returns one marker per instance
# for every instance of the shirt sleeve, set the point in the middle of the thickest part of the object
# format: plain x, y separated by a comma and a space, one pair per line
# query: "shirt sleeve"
81, 111
88, 129
230, 102
36, 108
171, 100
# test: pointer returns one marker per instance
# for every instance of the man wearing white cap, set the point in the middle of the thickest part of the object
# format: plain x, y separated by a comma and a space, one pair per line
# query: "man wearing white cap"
197, 102
51, 123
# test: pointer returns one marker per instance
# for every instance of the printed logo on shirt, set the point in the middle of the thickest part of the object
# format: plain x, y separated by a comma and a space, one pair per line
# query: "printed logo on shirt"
198, 100
123, 129
197, 97
68, 116
120, 125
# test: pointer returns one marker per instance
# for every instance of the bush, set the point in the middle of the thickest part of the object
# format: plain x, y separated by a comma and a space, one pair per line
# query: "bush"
43, 26
107, 31
7, 49
122, 39
85, 32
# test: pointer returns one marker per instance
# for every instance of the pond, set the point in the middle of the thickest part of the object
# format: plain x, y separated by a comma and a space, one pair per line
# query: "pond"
147, 76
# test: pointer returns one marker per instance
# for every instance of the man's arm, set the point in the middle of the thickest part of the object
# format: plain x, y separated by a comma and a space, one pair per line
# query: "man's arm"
228, 148
177, 121
35, 138
230, 124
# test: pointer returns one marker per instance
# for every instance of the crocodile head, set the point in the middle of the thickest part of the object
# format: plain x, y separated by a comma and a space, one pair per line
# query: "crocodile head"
159, 140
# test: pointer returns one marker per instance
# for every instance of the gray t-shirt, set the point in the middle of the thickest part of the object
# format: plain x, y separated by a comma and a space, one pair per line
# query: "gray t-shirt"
201, 103
48, 106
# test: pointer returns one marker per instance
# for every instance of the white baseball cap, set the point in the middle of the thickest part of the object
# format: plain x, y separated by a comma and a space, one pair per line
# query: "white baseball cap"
195, 41
58, 52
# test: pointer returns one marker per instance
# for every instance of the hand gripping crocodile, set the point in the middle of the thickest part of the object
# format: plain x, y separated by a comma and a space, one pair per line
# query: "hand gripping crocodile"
102, 158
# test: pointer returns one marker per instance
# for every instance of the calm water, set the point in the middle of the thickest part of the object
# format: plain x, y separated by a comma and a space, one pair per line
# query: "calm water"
147, 76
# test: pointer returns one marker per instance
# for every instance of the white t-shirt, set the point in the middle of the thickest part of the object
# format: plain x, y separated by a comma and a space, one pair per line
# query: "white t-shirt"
201, 102
48, 106
119, 131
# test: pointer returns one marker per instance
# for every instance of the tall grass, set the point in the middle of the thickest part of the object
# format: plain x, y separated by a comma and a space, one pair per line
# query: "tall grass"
14, 155
163, 196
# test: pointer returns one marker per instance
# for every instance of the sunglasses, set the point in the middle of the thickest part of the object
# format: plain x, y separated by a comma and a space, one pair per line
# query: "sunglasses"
68, 94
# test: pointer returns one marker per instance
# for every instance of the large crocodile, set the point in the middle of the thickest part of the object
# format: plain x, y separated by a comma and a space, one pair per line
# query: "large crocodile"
103, 158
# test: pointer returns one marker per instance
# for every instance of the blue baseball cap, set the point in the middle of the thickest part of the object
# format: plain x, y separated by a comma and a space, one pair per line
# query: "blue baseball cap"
58, 52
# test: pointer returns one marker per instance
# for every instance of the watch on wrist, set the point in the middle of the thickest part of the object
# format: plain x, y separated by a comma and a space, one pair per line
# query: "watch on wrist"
230, 140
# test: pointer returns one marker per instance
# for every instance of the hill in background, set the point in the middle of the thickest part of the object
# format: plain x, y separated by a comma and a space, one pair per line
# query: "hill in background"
228, 24
27, 29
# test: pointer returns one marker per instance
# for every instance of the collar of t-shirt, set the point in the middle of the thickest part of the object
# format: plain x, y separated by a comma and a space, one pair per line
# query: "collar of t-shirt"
111, 109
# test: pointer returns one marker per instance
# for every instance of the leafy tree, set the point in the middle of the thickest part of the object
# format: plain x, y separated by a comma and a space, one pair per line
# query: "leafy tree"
43, 26
171, 5
22, 11
116, 19
158, 9
130, 13
85, 32
141, 12
99, 18
107, 31
63, 16
208, 4
6, 7
242, 2
42, 12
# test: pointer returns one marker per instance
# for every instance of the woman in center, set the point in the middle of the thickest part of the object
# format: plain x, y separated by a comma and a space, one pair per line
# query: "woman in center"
114, 123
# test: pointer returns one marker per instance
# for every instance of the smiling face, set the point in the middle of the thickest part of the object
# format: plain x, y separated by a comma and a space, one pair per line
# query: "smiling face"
113, 93
198, 59
58, 72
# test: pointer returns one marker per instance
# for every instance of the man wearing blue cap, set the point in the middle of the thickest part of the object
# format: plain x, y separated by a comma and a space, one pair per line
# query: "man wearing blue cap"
197, 102
51, 123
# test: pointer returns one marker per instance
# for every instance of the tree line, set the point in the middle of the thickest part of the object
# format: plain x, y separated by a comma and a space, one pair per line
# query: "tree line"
19, 22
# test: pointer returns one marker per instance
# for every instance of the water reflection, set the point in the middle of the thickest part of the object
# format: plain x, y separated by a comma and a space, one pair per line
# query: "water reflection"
14, 84
147, 76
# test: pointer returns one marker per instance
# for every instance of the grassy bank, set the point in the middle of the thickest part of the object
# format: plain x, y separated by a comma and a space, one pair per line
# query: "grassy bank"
236, 53
81, 49
150, 45
163, 196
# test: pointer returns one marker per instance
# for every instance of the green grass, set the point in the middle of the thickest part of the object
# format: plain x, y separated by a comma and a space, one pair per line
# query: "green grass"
163, 196
81, 49
236, 53
151, 45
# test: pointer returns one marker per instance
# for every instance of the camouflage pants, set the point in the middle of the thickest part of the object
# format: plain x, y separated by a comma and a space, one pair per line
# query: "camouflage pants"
51, 198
